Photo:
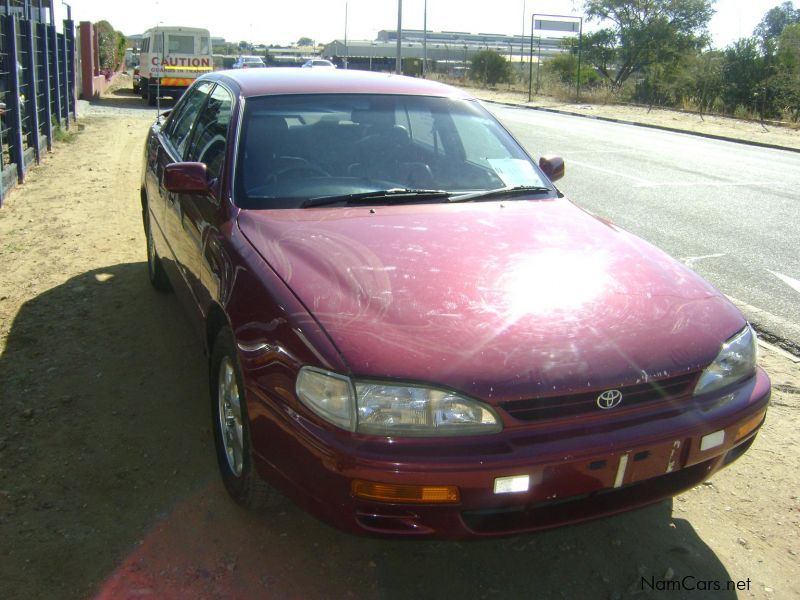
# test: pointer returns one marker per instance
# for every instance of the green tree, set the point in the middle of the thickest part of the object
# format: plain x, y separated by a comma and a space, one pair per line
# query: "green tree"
644, 33
744, 75
305, 41
111, 45
699, 82
490, 68
774, 22
787, 80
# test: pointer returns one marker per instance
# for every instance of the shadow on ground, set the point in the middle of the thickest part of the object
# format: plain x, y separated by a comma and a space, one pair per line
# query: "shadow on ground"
126, 98
109, 487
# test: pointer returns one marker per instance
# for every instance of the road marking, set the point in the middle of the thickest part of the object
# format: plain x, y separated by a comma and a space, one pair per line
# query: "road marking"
719, 184
792, 283
690, 260
614, 173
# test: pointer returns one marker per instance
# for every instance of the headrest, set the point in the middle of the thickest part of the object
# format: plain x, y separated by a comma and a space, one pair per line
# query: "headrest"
264, 126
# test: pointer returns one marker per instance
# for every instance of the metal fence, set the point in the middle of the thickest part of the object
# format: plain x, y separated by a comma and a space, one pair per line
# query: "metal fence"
37, 88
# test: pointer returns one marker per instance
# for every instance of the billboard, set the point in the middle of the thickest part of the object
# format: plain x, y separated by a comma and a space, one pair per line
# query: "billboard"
568, 26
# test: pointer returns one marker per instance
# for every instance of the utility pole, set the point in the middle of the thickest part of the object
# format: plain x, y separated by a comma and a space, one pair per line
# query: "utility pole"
425, 40
522, 37
398, 59
346, 49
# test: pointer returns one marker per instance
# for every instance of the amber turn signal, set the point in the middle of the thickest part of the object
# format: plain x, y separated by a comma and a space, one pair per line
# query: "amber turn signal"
748, 426
417, 494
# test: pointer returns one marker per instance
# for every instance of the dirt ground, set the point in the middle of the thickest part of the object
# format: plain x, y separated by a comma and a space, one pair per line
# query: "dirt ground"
108, 483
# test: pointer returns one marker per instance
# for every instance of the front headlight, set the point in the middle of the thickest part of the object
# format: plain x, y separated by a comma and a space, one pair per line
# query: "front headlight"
329, 395
389, 409
736, 361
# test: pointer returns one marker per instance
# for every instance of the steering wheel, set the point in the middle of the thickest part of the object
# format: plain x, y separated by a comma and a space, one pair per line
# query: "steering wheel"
297, 171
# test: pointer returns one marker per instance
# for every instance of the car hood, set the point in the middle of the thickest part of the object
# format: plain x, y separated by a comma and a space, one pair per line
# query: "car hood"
502, 301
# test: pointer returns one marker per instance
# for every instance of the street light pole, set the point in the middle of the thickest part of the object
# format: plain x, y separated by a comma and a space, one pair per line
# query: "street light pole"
398, 59
346, 49
425, 40
522, 37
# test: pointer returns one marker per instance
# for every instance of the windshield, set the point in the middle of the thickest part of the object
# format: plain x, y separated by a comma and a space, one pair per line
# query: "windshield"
293, 148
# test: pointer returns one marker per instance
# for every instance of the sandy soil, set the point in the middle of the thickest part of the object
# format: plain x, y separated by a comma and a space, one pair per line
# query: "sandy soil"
707, 124
108, 485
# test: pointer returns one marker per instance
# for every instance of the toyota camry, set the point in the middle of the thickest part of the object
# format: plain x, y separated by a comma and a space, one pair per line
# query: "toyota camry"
411, 332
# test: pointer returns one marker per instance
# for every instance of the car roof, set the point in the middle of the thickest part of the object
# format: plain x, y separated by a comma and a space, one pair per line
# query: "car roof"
286, 80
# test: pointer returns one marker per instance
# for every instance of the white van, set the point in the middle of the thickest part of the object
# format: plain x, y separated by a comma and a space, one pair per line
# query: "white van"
171, 59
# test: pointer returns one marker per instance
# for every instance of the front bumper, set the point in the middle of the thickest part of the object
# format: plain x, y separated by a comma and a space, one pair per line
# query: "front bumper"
579, 469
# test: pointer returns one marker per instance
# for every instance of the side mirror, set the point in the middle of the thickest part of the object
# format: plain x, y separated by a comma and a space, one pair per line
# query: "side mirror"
553, 167
186, 178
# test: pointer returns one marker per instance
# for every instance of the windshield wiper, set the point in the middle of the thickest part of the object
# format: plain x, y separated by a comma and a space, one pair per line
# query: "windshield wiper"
511, 190
393, 195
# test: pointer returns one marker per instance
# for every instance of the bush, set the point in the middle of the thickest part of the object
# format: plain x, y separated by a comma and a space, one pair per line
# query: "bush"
490, 68
565, 65
111, 45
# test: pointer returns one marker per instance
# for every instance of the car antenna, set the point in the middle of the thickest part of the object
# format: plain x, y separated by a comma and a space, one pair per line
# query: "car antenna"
158, 79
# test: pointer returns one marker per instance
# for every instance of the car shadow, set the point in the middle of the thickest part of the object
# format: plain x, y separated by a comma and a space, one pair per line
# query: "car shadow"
108, 486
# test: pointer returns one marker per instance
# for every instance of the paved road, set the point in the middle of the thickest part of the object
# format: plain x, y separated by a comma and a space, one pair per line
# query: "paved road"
730, 211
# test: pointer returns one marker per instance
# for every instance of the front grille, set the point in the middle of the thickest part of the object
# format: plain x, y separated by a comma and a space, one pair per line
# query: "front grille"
673, 388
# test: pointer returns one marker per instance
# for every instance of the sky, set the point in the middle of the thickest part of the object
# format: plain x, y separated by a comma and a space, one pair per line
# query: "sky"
283, 22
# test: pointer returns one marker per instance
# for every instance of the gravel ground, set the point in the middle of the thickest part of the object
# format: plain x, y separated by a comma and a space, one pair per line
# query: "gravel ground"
108, 485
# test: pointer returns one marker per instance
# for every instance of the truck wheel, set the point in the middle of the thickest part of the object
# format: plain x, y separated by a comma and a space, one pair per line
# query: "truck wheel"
152, 96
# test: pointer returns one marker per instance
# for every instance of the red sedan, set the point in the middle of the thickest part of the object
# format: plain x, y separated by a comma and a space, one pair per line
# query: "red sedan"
411, 332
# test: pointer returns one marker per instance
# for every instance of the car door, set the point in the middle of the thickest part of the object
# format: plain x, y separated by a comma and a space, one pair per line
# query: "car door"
176, 143
159, 155
199, 212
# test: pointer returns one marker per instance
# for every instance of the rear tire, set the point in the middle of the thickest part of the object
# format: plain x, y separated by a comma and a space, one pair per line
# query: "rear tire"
232, 428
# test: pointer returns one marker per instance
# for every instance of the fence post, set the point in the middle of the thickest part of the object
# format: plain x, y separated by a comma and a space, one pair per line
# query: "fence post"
4, 98
27, 30
48, 114
69, 33
15, 122
65, 56
55, 70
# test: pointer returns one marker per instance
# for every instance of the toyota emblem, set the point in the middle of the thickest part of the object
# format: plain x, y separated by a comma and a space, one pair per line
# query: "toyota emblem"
609, 399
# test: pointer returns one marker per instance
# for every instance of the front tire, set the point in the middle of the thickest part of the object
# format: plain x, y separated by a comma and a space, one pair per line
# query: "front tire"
232, 427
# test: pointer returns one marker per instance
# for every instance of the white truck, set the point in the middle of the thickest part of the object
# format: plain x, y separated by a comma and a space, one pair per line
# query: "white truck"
171, 59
